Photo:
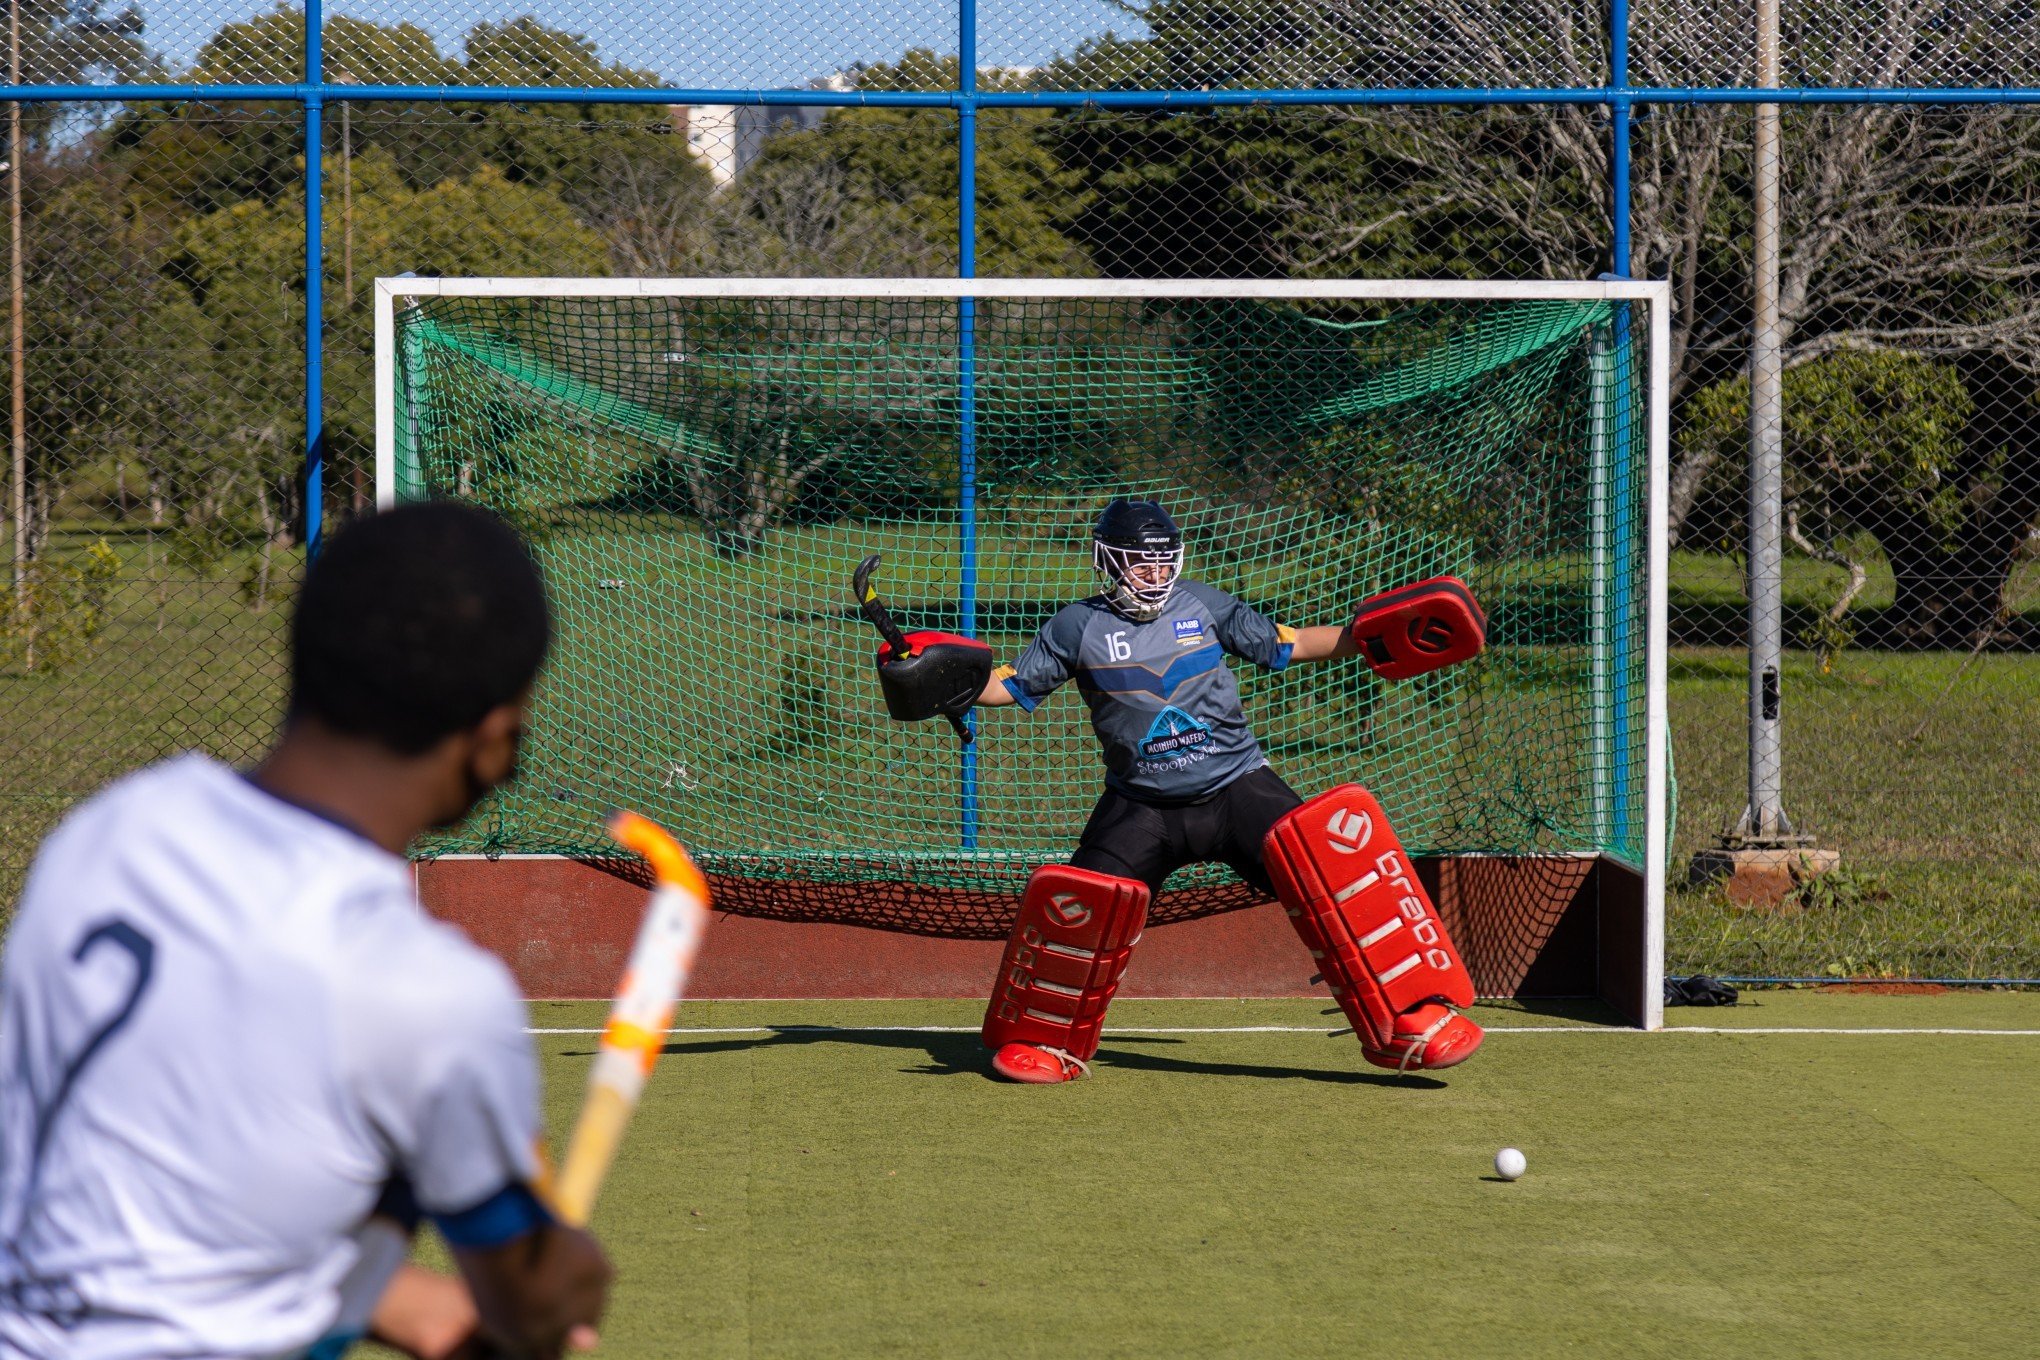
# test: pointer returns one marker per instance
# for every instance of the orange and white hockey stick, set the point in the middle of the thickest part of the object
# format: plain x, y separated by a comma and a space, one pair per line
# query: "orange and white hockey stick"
652, 983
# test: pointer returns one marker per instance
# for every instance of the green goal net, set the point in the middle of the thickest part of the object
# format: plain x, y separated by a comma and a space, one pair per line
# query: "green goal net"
699, 472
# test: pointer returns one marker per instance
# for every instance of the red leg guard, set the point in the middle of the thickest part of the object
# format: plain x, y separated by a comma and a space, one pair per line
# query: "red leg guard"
1353, 897
1062, 964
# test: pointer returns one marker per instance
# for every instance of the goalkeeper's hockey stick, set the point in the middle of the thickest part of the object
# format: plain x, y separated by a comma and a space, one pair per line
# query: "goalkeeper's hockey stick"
652, 983
879, 617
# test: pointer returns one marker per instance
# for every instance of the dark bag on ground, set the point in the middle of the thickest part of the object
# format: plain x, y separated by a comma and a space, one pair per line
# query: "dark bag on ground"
1699, 990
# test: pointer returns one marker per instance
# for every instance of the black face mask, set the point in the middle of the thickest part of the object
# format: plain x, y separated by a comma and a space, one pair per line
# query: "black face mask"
516, 749
477, 790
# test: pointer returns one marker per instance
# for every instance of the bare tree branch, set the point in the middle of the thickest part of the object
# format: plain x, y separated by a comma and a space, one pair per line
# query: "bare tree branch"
1906, 228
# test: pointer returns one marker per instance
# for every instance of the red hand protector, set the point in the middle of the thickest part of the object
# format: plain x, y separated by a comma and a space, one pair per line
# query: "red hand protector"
1423, 627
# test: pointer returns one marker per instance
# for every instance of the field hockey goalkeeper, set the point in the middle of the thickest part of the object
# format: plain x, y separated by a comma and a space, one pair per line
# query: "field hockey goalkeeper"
1186, 782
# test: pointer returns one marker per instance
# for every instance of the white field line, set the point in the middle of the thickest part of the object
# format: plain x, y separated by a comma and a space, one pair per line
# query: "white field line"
1307, 1029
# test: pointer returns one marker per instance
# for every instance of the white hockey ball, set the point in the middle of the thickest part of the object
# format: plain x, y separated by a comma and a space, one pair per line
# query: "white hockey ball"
1509, 1164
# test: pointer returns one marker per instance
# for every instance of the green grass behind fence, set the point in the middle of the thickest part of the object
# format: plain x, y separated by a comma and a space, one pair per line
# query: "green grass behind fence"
1917, 766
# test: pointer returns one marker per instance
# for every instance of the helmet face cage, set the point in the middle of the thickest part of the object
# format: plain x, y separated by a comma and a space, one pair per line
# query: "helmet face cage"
1131, 596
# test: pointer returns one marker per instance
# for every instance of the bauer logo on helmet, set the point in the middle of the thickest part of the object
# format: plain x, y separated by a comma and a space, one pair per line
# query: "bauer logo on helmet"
1138, 549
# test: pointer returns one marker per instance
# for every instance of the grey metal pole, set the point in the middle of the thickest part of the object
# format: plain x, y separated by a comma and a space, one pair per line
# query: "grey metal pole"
1763, 857
1764, 819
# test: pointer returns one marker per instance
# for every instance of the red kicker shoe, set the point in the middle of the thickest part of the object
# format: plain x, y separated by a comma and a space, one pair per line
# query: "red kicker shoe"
1031, 1063
1427, 1037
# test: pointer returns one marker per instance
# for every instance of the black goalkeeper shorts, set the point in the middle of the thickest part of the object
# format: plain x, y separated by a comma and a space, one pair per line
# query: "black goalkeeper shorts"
1150, 841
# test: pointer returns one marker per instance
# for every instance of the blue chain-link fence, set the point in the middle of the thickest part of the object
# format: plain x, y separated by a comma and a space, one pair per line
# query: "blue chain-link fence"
200, 195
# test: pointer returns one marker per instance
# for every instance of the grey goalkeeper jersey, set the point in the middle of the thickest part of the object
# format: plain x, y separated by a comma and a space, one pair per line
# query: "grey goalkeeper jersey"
1163, 702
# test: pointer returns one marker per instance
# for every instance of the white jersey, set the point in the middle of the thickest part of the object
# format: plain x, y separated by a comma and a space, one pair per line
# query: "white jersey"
226, 1028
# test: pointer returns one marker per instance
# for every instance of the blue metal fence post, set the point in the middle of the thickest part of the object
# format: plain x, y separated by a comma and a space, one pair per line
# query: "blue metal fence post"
966, 267
315, 302
1622, 482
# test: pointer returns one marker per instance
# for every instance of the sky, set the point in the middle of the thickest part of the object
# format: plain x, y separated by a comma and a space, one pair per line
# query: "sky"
730, 44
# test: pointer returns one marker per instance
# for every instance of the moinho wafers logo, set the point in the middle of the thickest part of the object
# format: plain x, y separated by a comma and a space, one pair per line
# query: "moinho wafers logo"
1171, 733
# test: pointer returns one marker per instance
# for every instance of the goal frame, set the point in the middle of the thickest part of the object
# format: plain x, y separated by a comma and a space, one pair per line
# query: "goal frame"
1655, 295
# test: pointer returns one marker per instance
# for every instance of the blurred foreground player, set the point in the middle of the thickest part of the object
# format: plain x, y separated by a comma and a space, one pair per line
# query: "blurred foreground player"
239, 1061
1186, 782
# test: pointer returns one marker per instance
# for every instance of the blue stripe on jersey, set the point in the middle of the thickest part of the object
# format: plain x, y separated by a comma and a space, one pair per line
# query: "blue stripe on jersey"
1127, 679
1028, 703
504, 1216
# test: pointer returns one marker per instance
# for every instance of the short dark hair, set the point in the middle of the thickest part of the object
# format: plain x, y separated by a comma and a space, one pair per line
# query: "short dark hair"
412, 624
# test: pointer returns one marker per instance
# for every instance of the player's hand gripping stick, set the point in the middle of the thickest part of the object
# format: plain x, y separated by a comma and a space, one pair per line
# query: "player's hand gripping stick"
653, 982
926, 673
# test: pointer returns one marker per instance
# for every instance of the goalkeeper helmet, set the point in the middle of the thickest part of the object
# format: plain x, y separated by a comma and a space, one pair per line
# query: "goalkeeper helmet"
1138, 549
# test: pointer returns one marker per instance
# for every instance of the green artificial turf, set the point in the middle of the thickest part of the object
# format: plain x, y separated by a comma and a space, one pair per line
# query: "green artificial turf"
796, 1191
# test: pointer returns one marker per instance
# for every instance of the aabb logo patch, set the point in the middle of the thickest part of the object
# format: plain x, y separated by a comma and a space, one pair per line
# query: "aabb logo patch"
1349, 831
1068, 909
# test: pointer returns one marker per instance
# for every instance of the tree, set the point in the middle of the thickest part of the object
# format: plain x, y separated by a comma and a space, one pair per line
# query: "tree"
71, 42
593, 165
269, 49
53, 42
199, 158
196, 158
802, 215
1157, 197
604, 160
1896, 447
117, 352
1950, 569
1931, 457
1906, 230
244, 267
894, 174
1280, 192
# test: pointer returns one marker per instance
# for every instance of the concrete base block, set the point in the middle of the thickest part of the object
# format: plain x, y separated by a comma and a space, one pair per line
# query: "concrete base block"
1762, 879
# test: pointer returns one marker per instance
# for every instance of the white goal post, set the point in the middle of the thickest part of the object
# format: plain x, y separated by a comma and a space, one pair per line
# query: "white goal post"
1645, 469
